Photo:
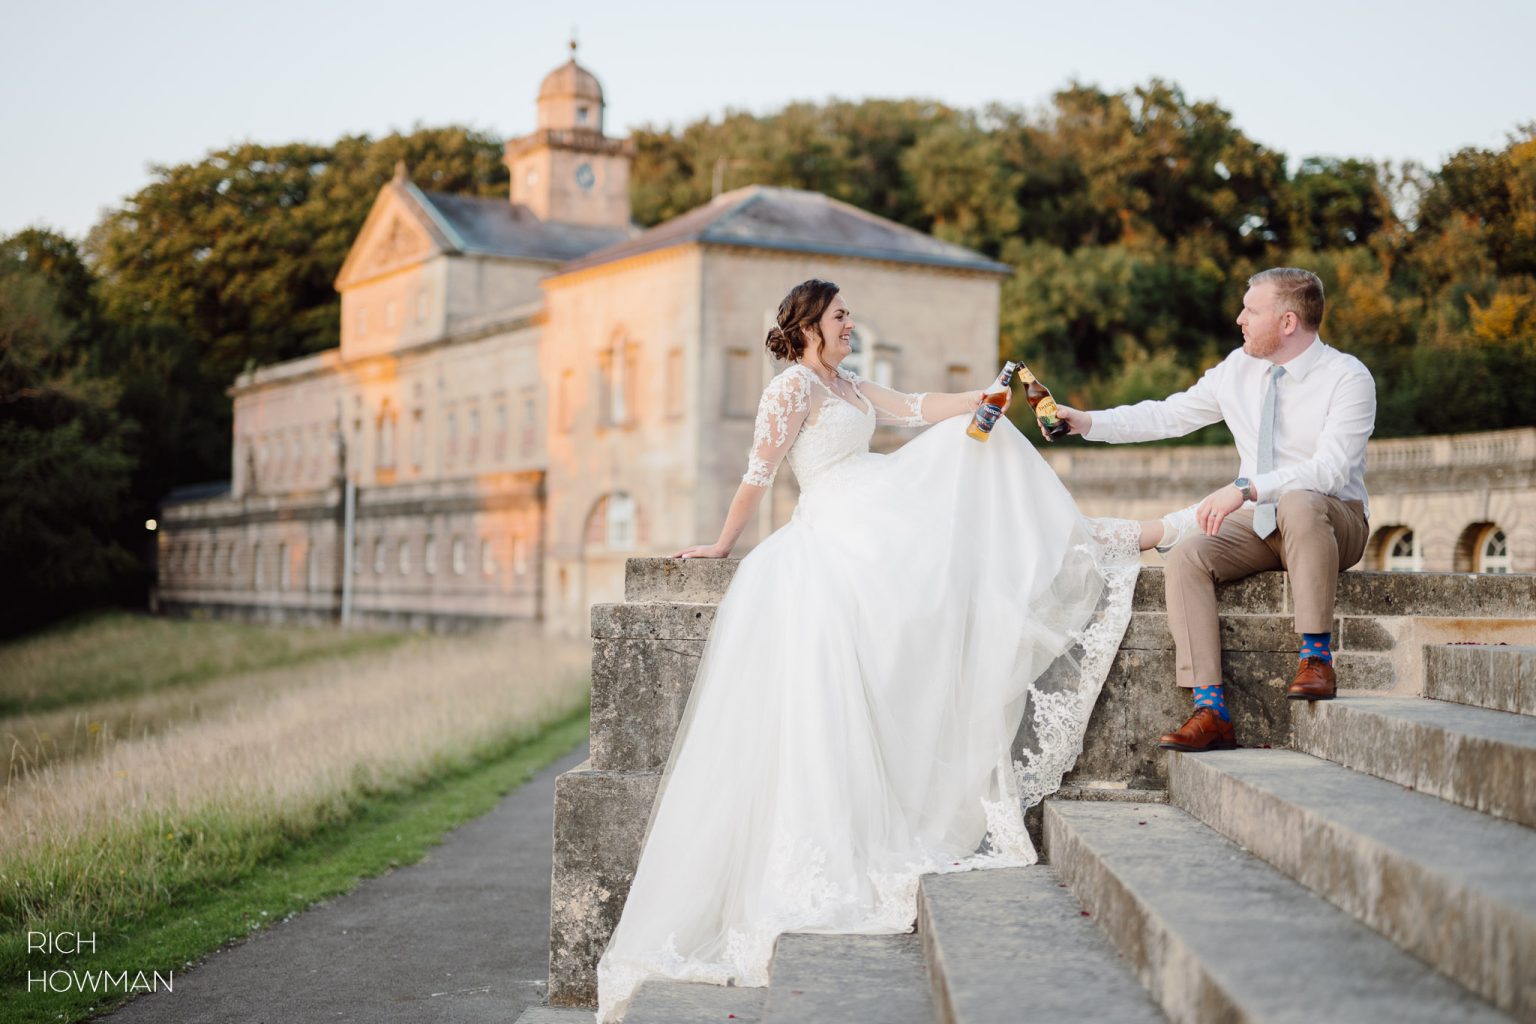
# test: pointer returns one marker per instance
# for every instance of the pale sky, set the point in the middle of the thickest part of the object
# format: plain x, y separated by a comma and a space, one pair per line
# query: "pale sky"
95, 92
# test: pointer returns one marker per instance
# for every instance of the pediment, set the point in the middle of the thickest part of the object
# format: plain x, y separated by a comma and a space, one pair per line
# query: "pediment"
394, 237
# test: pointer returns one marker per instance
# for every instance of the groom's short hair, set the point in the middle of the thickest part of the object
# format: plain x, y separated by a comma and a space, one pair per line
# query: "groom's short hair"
1297, 291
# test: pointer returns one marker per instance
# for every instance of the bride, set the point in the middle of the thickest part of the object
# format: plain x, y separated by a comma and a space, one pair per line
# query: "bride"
890, 680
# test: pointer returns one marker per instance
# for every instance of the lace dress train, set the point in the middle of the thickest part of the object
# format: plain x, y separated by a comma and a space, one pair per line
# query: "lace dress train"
892, 678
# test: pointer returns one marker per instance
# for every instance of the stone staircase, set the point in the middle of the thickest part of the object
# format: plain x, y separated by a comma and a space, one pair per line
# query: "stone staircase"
1383, 867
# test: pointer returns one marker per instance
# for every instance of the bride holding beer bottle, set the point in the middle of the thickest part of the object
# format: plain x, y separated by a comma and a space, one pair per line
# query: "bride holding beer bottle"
891, 678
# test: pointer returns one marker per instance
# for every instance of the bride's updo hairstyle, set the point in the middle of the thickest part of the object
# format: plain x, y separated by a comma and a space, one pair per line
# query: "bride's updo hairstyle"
799, 313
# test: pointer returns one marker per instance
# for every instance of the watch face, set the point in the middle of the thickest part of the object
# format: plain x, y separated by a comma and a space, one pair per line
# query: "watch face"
585, 177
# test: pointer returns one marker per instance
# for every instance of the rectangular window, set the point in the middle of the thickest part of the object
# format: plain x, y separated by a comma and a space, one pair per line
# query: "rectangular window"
958, 378
530, 442
474, 435
566, 400
451, 437
502, 428
740, 383
418, 439
675, 384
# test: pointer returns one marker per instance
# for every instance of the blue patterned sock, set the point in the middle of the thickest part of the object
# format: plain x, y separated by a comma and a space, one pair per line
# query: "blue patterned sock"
1213, 697
1315, 645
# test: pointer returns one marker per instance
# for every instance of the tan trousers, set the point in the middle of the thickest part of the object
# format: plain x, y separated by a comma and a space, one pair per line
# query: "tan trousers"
1316, 535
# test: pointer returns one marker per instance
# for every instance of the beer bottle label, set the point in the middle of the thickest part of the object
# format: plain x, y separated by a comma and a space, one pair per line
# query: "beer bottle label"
1046, 409
986, 417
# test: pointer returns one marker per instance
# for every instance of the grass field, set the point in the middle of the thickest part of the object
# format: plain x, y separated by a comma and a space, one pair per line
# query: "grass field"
221, 783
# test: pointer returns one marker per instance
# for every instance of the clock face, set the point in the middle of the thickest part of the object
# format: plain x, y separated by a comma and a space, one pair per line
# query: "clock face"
585, 177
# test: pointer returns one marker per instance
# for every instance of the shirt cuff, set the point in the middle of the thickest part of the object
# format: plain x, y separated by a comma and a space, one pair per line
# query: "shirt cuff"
1103, 428
1265, 485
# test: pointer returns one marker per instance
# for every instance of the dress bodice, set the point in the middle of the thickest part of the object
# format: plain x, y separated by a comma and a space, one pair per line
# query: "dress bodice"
800, 418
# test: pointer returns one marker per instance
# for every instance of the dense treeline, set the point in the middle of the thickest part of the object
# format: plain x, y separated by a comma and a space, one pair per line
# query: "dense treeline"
1132, 220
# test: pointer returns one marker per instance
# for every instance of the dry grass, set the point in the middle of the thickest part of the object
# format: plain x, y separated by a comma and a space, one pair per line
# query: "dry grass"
240, 770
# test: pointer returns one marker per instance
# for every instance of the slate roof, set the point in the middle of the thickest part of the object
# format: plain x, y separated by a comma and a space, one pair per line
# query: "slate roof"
475, 224
792, 220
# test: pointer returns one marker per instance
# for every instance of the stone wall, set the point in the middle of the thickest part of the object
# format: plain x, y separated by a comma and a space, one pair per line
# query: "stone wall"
646, 650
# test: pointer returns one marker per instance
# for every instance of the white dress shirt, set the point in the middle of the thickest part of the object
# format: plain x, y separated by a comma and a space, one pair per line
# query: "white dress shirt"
1325, 409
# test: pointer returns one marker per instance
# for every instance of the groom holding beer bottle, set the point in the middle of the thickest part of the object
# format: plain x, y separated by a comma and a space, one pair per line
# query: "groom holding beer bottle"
1300, 412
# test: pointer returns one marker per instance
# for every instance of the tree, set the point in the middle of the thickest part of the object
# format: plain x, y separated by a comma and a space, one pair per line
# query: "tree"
62, 449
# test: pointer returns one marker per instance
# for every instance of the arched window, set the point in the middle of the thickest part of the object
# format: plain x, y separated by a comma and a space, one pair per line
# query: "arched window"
386, 437
429, 556
1493, 551
458, 556
311, 567
232, 566
403, 558
258, 570
283, 571
487, 557
1402, 552
519, 554
614, 523
379, 555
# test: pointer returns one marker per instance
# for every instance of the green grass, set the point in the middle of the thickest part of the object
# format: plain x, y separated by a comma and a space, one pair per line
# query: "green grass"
382, 831
117, 654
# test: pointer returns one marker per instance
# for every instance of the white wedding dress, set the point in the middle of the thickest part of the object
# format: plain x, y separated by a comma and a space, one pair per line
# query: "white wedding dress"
856, 717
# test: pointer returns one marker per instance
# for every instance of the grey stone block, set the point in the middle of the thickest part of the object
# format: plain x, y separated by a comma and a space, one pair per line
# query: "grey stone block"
1149, 631
678, 579
848, 979
1217, 935
677, 1002
600, 819
1364, 670
1482, 759
1466, 595
1004, 944
1454, 887
1363, 633
1260, 594
1497, 676
639, 691
1140, 702
671, 620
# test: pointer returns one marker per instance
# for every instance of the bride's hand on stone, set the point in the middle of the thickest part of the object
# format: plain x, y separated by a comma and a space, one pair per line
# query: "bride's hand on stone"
704, 551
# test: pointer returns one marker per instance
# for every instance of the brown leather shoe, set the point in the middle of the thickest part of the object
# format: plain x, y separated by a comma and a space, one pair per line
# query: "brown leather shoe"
1314, 681
1204, 731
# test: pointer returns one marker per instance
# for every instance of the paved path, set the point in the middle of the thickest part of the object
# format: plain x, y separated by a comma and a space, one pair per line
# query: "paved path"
460, 937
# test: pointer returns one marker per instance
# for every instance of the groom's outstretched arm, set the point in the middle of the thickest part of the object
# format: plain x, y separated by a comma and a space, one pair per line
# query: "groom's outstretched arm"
1152, 420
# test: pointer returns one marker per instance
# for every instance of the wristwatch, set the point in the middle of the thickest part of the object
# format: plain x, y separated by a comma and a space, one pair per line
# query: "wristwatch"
1245, 485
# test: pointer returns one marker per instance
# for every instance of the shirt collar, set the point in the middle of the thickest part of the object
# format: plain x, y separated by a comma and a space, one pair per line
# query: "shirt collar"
1298, 368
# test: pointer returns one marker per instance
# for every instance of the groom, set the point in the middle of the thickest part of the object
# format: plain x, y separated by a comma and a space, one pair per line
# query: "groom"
1300, 412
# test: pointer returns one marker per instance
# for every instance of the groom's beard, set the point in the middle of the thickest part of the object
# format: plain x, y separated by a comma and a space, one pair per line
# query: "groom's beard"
1262, 346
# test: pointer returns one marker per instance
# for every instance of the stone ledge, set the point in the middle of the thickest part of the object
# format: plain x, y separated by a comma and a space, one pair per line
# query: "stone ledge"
1361, 593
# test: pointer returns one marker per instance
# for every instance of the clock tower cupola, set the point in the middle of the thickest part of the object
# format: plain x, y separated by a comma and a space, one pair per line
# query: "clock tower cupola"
568, 171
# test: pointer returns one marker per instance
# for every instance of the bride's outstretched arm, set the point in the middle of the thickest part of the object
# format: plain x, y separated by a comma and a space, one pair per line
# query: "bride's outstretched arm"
781, 412
922, 408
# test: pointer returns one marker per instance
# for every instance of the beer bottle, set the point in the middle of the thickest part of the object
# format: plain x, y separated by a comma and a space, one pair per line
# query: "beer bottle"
1040, 400
991, 404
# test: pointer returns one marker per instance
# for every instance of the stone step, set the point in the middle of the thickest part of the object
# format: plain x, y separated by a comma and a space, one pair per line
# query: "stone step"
1497, 676
847, 979
555, 1015
1360, 593
1482, 759
1454, 887
1217, 935
679, 1002
1013, 944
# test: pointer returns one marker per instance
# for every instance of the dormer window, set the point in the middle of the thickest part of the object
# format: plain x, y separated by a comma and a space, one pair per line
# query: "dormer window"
581, 115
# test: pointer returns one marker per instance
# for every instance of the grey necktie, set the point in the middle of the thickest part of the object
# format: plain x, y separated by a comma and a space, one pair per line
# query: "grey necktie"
1264, 513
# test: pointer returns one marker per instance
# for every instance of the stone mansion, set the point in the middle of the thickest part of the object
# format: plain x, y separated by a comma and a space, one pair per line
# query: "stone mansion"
528, 391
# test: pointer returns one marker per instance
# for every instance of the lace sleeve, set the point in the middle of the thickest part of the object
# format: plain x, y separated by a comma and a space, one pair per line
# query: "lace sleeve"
896, 408
780, 414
